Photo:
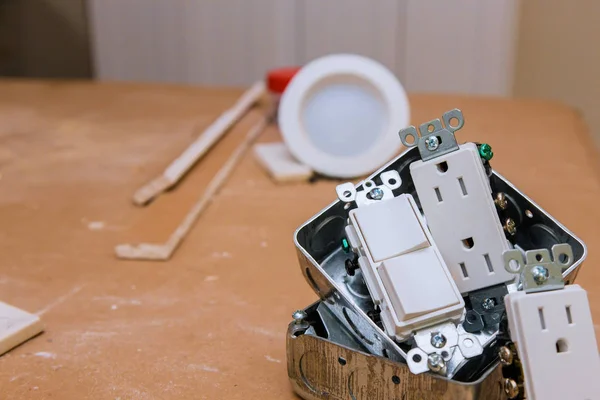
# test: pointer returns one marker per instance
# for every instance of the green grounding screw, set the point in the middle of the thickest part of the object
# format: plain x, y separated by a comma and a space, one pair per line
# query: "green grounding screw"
485, 151
345, 245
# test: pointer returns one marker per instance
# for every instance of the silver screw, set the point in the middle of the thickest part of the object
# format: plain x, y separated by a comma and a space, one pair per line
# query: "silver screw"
540, 274
488, 304
511, 388
506, 356
299, 316
438, 340
376, 194
432, 143
436, 363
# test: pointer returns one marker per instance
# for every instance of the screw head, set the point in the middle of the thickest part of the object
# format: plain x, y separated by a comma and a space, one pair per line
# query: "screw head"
510, 226
350, 267
438, 340
485, 151
488, 304
432, 143
506, 355
376, 193
436, 362
299, 316
511, 388
345, 245
501, 201
540, 274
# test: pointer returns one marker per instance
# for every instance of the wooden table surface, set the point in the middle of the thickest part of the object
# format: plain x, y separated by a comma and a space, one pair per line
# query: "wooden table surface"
211, 322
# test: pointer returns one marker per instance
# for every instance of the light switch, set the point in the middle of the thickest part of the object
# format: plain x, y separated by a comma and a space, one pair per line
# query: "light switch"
390, 228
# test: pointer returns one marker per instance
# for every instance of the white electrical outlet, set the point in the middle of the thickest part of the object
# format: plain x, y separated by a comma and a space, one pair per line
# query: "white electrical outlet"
455, 195
402, 267
554, 335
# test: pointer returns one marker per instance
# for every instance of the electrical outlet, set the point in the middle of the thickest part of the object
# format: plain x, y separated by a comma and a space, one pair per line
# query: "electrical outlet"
455, 194
402, 267
554, 335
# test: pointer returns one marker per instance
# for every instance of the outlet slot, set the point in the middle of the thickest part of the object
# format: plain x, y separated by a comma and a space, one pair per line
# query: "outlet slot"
463, 188
542, 319
442, 167
468, 243
569, 316
488, 262
463, 268
438, 194
562, 346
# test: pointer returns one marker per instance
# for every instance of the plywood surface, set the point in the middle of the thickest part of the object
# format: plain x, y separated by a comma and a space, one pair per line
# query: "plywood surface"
210, 323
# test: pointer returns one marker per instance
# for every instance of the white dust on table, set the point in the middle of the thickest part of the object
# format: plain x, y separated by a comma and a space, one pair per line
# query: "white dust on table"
117, 301
101, 225
59, 300
14, 378
275, 360
5, 280
211, 278
96, 225
45, 354
221, 254
263, 244
239, 302
202, 367
260, 331
96, 334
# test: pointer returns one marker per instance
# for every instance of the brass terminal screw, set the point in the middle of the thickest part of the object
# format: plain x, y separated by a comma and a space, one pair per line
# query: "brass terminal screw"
510, 226
501, 201
506, 356
511, 388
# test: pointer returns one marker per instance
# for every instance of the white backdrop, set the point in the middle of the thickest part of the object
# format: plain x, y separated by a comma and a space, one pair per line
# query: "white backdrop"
465, 46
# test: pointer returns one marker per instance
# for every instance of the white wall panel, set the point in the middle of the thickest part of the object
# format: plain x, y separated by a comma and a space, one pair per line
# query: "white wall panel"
371, 28
432, 45
461, 46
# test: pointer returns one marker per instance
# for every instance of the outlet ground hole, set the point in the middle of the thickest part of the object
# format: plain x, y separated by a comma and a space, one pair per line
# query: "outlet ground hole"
442, 167
562, 346
468, 243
